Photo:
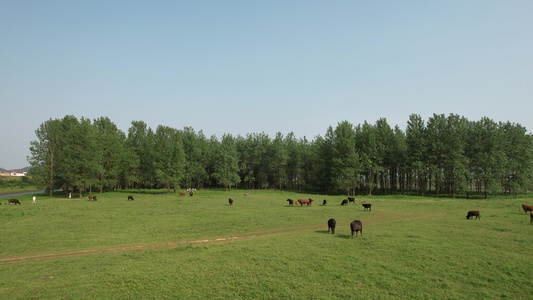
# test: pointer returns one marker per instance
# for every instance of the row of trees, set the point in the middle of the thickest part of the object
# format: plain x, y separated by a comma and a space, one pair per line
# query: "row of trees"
445, 155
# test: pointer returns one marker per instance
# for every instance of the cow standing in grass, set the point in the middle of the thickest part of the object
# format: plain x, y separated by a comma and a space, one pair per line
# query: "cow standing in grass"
14, 201
291, 202
344, 202
351, 199
527, 208
367, 206
305, 201
331, 225
130, 197
230, 201
531, 218
324, 202
356, 226
473, 213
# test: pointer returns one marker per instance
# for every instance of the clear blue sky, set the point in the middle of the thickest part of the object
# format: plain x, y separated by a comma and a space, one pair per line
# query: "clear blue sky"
243, 67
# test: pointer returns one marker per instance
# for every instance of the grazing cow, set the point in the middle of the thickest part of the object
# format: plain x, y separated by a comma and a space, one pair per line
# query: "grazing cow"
527, 208
531, 218
324, 202
130, 197
356, 226
344, 202
94, 198
90, 197
16, 201
367, 206
182, 194
291, 202
305, 201
246, 194
351, 199
473, 213
230, 201
331, 225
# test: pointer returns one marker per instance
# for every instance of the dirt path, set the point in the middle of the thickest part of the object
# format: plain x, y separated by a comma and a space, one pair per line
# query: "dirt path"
373, 220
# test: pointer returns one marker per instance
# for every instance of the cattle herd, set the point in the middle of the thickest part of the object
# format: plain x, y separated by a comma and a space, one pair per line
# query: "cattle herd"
356, 226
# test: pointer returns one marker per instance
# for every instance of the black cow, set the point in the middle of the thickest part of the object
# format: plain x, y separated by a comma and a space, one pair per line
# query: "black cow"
230, 201
351, 199
291, 202
367, 206
356, 226
16, 201
344, 202
531, 218
473, 213
130, 197
331, 225
324, 202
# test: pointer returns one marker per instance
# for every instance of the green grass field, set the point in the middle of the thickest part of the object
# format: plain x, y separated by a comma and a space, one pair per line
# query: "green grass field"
166, 246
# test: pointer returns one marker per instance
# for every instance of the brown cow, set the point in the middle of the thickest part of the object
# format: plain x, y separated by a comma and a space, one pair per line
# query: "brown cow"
351, 199
15, 201
94, 198
527, 208
130, 197
531, 218
473, 213
90, 197
305, 201
246, 194
182, 194
356, 226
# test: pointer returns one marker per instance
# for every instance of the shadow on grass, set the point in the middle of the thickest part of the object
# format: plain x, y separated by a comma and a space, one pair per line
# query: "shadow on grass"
323, 231
343, 236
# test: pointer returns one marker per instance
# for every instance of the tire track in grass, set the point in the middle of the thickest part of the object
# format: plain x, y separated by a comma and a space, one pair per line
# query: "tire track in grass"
373, 220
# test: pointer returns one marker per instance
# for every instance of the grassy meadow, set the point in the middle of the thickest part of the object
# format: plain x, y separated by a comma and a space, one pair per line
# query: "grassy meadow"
165, 246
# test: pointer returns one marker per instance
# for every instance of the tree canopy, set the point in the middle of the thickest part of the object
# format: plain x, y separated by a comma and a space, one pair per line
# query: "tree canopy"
443, 155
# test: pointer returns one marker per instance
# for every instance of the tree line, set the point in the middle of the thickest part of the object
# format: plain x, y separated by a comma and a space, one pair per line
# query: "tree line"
444, 155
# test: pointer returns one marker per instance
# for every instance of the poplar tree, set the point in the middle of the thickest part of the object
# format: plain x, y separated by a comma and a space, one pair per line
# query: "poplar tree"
45, 156
108, 153
345, 160
169, 157
278, 161
415, 138
226, 167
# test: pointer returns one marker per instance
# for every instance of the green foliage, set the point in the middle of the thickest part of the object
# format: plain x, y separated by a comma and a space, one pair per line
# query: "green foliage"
164, 246
227, 163
446, 156
12, 184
